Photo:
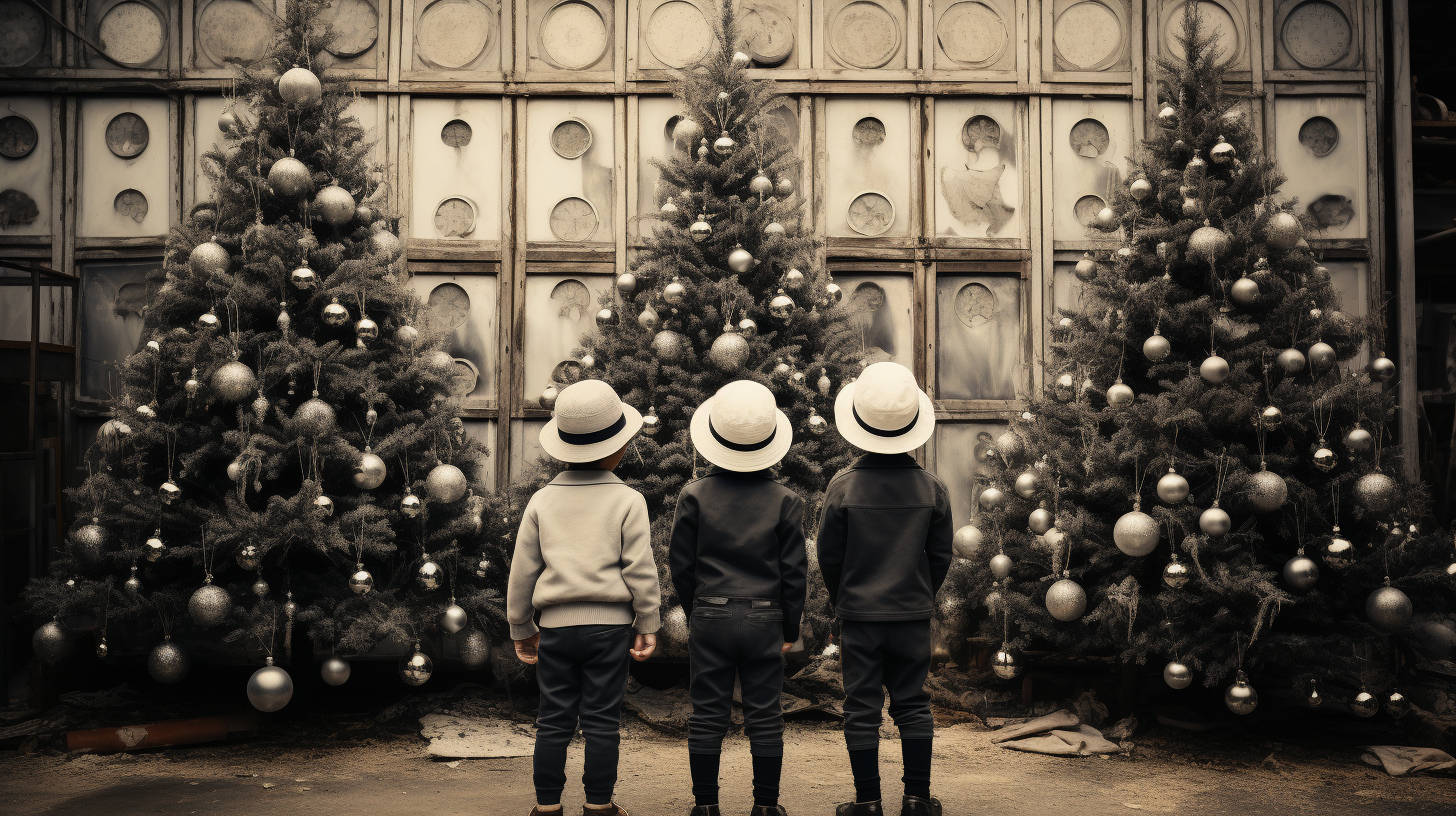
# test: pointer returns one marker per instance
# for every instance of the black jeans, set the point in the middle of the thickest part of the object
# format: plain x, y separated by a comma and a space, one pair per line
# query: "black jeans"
582, 672
740, 639
879, 656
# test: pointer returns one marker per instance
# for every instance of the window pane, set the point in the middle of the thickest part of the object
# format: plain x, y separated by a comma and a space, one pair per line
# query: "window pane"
465, 306
979, 352
956, 462
880, 313
559, 310
483, 431
112, 297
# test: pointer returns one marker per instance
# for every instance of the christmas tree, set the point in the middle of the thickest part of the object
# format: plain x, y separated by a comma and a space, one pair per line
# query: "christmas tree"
283, 449
1207, 482
725, 288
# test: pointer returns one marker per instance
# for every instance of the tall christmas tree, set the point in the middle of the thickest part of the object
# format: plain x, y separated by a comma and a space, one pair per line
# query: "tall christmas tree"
1207, 483
283, 448
726, 288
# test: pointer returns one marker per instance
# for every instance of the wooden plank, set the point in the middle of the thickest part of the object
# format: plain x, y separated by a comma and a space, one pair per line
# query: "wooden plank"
1403, 202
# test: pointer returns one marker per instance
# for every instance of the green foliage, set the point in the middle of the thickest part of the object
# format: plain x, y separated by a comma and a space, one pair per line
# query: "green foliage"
193, 438
1094, 461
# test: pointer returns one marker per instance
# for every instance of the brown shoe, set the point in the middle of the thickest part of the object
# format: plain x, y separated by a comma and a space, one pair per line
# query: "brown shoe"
763, 810
859, 809
613, 809
915, 806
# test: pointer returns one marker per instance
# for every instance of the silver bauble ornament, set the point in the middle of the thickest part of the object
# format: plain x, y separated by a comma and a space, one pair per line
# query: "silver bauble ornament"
315, 417
323, 506
260, 410
1364, 704
1222, 152
1176, 574
729, 350
1397, 705
1168, 116
1119, 395
260, 587
169, 492
1066, 600
774, 228
605, 317
548, 397
1324, 458
233, 381
208, 258
369, 473
453, 619
740, 59
626, 284
364, 214
154, 547
1270, 418
1381, 368
748, 328
650, 422
784, 186
112, 435
300, 86
1157, 348
1267, 491
270, 688
991, 498
89, 542
334, 204
335, 670
817, 424
1172, 487
147, 410
588, 361
102, 650
648, 318
1337, 552
1291, 360
1215, 521
1208, 243
761, 184
361, 581
701, 229
429, 575
1359, 441
1135, 533
1241, 698
366, 330
1195, 168
793, 279
1001, 565
228, 122
1301, 573
1376, 492
1086, 268
833, 293
1177, 674
1006, 664
1139, 188
416, 669
335, 314
1388, 609
781, 307
410, 505
966, 541
289, 177
1010, 446
445, 484
51, 642
1214, 369
133, 584
168, 662
824, 385
383, 242
1064, 388
687, 131
674, 292
1192, 207
1244, 291
1321, 355
1283, 231
1039, 520
249, 557
303, 278
724, 145
1312, 696
1028, 484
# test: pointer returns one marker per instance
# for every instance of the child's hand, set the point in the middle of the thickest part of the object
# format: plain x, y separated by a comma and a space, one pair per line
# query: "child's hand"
644, 647
787, 647
526, 649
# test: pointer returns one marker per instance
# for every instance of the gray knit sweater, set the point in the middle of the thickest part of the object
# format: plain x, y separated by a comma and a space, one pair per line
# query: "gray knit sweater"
583, 556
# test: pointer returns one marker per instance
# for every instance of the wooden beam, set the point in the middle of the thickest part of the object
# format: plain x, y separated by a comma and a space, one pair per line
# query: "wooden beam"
1401, 172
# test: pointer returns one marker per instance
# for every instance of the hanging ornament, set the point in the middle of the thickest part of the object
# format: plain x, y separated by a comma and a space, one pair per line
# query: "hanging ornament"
366, 330
146, 411
1168, 116
1388, 609
260, 587
991, 498
289, 177
781, 307
966, 541
1244, 291
88, 543
416, 668
674, 292
1176, 573
429, 576
739, 260
192, 386
383, 242
724, 145
1195, 168
761, 184
301, 87
1139, 188
773, 228
410, 504
1359, 441
1291, 360
1312, 696
824, 385
1086, 268
168, 662
1028, 484
740, 59
369, 472
364, 214
154, 547
650, 422
1066, 600
605, 317
1192, 207
1064, 388
1106, 219
648, 318
1376, 493
361, 581
1270, 418
1283, 231
1001, 565
1397, 705
102, 650
1215, 521
51, 642
1321, 355
1381, 368
335, 670
1119, 395
1208, 243
784, 186
1364, 704
233, 381
208, 258
270, 688
1267, 491
833, 294
1135, 533
315, 417
453, 619
323, 506
169, 492
1039, 520
793, 278
1241, 698
407, 335
334, 314
1172, 487
669, 346
445, 484
1005, 663
112, 435
1324, 458
1301, 572
588, 361
686, 131
1157, 348
249, 557
133, 584
1222, 152
1338, 552
474, 650
703, 149
228, 123
334, 205
1214, 369
1177, 674
700, 228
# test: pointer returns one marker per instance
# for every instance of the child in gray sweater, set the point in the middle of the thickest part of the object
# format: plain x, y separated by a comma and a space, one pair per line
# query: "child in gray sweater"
583, 564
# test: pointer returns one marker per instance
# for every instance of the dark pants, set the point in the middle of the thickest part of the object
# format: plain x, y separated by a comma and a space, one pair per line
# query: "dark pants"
740, 639
582, 672
880, 656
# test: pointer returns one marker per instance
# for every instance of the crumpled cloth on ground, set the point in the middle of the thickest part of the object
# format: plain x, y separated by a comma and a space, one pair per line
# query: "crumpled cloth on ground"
1400, 760
1060, 733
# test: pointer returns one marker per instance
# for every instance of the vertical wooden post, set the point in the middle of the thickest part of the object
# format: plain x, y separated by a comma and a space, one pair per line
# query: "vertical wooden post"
1405, 234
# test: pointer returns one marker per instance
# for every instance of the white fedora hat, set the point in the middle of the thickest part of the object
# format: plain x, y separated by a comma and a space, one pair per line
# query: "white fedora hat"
590, 423
740, 428
884, 411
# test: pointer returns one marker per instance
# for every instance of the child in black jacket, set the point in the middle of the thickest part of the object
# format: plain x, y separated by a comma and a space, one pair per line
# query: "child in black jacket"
738, 567
884, 548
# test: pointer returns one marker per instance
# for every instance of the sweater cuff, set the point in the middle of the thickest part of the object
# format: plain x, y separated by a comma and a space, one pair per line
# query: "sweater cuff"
647, 624
524, 631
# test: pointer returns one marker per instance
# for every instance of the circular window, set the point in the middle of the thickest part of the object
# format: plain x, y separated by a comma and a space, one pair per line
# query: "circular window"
1320, 135
868, 132
1089, 138
571, 139
456, 133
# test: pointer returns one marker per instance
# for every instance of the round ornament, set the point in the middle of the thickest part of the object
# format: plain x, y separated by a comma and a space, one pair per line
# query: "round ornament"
233, 381
1135, 533
674, 292
1086, 268
169, 492
1119, 395
1376, 492
1139, 188
334, 204
1364, 704
334, 314
228, 122
1267, 491
445, 484
1208, 243
1176, 574
300, 86
1321, 355
154, 547
1177, 674
1192, 207
1291, 360
1244, 291
88, 544
648, 318
761, 184
1195, 168
1359, 441
793, 279
1301, 573
270, 688
687, 131
724, 145
1001, 565
1283, 231
1215, 521
168, 662
1222, 152
1039, 520
453, 619
1312, 696
361, 581
1214, 369
729, 350
1241, 698
548, 397
991, 498
429, 576
774, 228
1172, 487
366, 330
51, 642
416, 669
1066, 600
410, 504
406, 335
1397, 705
260, 587
335, 670
1337, 552
474, 650
1270, 418
749, 329
315, 417
833, 293
1381, 368
1010, 447
781, 307
289, 177
1006, 664
701, 229
133, 584
605, 317
817, 424
208, 258
249, 557
1388, 609
669, 346
966, 541
102, 650
369, 472
1168, 116
1028, 484
383, 242
1157, 348
1324, 458
1064, 388
784, 186
323, 506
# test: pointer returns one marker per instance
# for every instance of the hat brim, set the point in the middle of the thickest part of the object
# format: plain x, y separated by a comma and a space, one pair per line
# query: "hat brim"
560, 449
739, 461
850, 429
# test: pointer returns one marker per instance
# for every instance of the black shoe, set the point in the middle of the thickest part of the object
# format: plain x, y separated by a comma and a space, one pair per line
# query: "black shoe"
859, 809
915, 806
765, 810
612, 809
704, 810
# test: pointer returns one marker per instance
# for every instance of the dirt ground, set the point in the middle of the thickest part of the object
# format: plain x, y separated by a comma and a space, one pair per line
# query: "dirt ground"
341, 764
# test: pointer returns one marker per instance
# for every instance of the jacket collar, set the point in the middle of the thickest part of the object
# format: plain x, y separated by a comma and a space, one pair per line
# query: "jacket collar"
886, 460
571, 478
714, 470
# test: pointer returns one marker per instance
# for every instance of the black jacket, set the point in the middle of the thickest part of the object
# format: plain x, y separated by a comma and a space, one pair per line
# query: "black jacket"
740, 535
884, 539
